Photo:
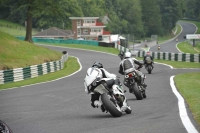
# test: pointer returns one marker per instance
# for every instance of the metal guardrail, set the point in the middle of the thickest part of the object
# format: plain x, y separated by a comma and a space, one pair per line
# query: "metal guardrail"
19, 74
184, 57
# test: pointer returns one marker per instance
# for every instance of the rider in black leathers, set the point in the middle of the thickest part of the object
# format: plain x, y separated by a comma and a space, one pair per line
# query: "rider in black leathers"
146, 57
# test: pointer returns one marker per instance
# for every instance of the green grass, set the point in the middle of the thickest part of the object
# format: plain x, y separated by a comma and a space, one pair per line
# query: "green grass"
26, 54
13, 28
185, 47
190, 91
71, 65
87, 47
17, 54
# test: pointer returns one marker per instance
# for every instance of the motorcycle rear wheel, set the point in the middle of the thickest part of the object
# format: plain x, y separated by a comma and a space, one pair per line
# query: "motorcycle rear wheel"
110, 106
137, 92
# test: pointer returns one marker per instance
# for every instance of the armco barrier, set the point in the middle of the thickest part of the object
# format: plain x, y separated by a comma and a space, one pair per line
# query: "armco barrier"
183, 57
19, 74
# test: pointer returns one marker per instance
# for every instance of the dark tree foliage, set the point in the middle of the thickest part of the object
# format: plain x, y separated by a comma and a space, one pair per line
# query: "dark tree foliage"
45, 13
138, 17
193, 9
151, 18
171, 11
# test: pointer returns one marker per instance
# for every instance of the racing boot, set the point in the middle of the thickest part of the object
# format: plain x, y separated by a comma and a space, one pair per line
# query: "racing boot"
142, 81
123, 108
152, 66
97, 103
103, 108
126, 108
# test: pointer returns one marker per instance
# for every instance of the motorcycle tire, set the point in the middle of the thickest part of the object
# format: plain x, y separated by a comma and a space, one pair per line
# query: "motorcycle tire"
137, 92
110, 106
149, 69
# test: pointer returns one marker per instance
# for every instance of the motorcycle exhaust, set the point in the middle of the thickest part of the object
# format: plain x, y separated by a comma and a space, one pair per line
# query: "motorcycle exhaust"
126, 76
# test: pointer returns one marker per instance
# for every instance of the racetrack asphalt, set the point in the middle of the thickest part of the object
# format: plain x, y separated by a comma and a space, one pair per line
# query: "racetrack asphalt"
62, 106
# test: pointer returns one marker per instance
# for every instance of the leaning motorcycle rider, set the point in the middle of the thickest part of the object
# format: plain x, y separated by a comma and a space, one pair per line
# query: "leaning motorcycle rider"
148, 57
127, 65
95, 103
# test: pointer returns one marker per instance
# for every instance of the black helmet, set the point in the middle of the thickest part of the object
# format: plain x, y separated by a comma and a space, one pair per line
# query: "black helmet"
98, 65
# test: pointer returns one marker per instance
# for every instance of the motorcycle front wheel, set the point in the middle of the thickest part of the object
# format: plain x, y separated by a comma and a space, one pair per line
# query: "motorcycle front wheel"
149, 69
111, 106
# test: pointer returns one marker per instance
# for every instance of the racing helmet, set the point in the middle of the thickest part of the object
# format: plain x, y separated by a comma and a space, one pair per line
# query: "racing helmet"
97, 64
127, 55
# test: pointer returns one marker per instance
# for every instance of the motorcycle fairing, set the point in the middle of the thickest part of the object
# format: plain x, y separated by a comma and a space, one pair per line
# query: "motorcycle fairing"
91, 75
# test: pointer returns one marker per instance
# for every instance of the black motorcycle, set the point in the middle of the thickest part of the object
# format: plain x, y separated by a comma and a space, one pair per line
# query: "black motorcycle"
134, 85
148, 65
121, 55
134, 82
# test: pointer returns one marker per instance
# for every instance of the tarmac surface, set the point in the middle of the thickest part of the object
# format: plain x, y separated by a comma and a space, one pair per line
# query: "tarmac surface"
62, 106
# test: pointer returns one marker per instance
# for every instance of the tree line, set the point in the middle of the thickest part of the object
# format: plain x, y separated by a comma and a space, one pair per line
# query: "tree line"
139, 17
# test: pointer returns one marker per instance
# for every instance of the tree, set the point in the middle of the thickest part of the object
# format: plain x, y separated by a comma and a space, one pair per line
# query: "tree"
132, 12
67, 8
172, 11
193, 10
92, 8
53, 11
151, 17
51, 7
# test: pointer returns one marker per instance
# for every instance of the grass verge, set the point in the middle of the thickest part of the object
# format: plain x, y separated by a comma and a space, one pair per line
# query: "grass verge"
185, 47
15, 53
71, 65
190, 91
13, 28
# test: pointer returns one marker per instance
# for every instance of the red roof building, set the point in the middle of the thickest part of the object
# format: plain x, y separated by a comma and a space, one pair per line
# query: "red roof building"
88, 28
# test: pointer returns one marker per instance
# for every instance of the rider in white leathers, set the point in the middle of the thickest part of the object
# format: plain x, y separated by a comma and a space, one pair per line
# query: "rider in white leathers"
103, 74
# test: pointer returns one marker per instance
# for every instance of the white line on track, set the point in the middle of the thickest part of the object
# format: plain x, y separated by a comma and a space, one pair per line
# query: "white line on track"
179, 42
182, 109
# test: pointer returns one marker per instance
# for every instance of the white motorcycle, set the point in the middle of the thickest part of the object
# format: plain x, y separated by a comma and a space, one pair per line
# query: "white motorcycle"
112, 96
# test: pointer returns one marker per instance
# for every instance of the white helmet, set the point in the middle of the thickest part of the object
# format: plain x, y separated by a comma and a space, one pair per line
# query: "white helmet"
127, 55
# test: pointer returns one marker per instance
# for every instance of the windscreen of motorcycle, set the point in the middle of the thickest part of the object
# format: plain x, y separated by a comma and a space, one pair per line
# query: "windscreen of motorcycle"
91, 75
